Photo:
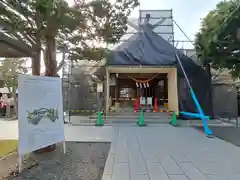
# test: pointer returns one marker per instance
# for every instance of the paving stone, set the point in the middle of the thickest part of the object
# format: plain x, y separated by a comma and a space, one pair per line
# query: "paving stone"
234, 177
121, 156
140, 177
201, 156
216, 177
121, 150
229, 168
169, 165
137, 166
192, 172
180, 157
121, 171
210, 168
234, 167
156, 171
136, 161
150, 157
178, 177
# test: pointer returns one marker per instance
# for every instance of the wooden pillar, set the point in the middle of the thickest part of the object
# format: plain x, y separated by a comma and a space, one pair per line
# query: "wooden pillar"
165, 89
107, 89
173, 91
117, 90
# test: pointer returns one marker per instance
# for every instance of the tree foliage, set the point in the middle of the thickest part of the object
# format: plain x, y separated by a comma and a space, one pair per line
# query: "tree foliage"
10, 68
52, 25
217, 42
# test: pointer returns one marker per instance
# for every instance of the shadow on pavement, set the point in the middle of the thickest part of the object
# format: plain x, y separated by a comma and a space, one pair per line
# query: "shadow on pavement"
229, 134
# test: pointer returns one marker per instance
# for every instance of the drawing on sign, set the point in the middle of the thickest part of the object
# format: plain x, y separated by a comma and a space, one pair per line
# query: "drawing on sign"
38, 114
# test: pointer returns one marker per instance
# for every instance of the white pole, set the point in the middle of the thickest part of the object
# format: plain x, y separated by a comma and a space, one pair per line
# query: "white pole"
64, 147
19, 163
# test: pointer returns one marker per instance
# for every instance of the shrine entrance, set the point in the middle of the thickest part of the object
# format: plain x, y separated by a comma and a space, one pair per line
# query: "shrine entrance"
149, 86
128, 87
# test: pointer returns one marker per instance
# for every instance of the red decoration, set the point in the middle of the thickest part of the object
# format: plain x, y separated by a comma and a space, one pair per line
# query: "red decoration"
155, 108
137, 103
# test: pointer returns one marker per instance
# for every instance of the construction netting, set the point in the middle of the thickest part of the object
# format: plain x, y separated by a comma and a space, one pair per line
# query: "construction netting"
148, 48
81, 94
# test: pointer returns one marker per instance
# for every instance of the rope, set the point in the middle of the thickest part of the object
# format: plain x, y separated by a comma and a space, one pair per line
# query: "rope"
143, 81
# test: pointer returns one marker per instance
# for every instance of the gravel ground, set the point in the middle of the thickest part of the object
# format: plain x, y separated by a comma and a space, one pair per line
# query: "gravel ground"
229, 134
83, 161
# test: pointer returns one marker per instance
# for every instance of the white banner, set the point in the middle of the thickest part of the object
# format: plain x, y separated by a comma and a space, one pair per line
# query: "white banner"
40, 112
147, 84
137, 84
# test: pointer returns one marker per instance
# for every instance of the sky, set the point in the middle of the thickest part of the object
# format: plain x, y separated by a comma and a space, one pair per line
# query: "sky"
186, 13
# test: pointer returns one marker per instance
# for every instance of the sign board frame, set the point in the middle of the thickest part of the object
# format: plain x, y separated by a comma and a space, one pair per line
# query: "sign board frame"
40, 113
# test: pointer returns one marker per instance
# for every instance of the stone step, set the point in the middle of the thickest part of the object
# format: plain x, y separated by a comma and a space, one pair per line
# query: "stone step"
119, 119
118, 122
126, 114
133, 116
135, 113
128, 118
85, 121
133, 123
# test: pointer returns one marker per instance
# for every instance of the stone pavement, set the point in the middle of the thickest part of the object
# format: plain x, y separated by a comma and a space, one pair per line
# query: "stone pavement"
161, 152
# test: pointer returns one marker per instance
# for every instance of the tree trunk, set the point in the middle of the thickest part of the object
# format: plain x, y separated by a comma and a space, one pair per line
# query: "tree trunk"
50, 70
15, 105
36, 67
60, 65
8, 111
8, 108
14, 89
36, 63
50, 56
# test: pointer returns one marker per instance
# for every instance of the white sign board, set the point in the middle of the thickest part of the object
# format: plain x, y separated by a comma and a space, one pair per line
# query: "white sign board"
100, 87
149, 100
142, 100
40, 112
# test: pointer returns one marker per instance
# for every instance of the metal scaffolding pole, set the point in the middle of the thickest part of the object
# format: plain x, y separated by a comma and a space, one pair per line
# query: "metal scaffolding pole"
199, 108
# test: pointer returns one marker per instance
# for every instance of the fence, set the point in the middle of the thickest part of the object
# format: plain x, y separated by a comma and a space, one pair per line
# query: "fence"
81, 89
